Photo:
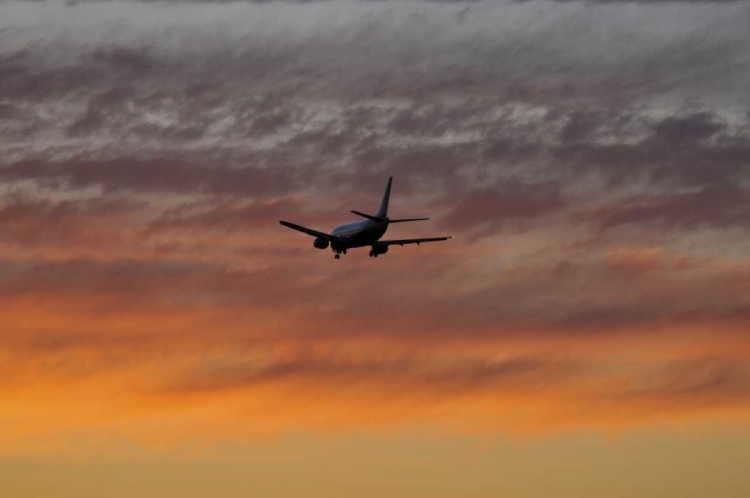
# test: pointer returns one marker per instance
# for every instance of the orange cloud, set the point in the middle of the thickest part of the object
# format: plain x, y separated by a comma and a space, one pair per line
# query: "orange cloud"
176, 321
159, 374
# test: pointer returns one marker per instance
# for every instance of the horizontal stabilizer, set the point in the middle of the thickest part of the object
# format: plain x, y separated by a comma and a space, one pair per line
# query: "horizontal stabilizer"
376, 218
369, 216
402, 242
407, 219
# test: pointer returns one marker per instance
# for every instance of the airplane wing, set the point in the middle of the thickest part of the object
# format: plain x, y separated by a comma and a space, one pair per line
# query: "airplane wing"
309, 231
402, 242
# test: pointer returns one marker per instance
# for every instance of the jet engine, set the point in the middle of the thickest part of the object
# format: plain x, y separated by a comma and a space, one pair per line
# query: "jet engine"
320, 243
378, 249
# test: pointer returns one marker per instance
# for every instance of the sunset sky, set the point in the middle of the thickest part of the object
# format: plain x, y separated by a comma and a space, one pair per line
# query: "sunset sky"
586, 333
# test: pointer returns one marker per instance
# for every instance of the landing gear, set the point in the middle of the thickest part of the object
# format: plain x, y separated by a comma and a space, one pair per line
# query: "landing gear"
373, 254
337, 256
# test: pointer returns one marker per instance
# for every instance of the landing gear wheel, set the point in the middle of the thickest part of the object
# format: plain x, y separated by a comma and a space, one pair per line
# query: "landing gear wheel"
337, 256
371, 254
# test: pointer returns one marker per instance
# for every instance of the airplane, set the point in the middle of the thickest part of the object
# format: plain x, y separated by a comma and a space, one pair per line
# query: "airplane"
363, 233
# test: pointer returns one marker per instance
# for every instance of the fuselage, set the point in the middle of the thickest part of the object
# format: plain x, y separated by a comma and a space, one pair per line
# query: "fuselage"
359, 233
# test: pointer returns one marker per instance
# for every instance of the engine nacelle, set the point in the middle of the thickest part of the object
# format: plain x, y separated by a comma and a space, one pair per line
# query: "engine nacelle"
320, 243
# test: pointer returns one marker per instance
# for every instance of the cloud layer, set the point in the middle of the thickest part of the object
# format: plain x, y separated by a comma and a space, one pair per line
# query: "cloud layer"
592, 158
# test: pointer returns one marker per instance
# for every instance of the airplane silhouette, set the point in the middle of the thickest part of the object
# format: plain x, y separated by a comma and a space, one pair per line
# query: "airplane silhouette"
363, 233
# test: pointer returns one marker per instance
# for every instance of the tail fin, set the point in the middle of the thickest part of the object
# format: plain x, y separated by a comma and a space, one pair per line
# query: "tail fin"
383, 211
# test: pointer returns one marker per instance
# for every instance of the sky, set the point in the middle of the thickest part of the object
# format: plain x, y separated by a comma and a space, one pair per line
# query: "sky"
585, 334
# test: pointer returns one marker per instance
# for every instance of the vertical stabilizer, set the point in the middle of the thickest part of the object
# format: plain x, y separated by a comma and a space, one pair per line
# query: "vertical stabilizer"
383, 211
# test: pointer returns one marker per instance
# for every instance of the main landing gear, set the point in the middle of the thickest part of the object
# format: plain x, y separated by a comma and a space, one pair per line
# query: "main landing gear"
339, 252
373, 254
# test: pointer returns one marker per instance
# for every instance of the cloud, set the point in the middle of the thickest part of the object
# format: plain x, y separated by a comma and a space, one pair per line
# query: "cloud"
592, 158
678, 130
463, 376
511, 202
719, 207
226, 217
170, 173
650, 259
33, 222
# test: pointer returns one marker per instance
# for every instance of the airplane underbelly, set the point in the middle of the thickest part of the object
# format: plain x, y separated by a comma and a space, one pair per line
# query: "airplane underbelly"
366, 237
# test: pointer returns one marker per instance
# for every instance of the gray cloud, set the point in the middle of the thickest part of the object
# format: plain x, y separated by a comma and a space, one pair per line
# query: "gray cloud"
716, 207
406, 372
510, 203
526, 119
175, 173
33, 222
